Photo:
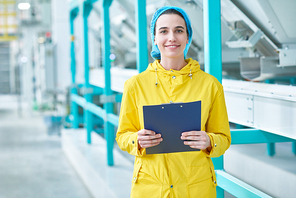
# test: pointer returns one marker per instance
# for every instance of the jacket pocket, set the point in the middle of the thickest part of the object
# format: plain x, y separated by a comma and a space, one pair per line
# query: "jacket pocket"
203, 189
196, 174
144, 185
136, 172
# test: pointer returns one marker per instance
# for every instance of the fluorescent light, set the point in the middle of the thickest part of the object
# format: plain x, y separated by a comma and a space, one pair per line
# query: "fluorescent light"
24, 59
24, 6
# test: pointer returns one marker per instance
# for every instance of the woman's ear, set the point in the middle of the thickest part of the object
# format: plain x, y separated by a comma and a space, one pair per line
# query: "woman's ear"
187, 40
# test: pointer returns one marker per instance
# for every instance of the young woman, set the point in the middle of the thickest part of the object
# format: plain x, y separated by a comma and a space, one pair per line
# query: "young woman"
172, 78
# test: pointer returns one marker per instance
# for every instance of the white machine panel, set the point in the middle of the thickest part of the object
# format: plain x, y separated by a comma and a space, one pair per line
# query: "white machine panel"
118, 77
268, 107
242, 103
275, 115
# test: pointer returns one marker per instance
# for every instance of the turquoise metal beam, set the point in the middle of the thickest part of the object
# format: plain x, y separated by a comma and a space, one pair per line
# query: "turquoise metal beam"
218, 163
92, 1
74, 4
74, 106
270, 149
212, 38
238, 126
108, 127
97, 90
112, 118
78, 100
77, 3
213, 54
118, 97
98, 111
293, 82
255, 136
236, 187
86, 9
141, 31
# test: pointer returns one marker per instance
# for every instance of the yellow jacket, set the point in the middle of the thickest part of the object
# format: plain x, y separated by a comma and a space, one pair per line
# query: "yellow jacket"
174, 175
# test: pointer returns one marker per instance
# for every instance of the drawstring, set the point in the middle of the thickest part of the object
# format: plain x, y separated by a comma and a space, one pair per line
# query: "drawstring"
156, 77
190, 75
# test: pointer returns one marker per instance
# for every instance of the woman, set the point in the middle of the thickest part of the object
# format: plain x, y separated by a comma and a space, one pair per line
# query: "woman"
172, 78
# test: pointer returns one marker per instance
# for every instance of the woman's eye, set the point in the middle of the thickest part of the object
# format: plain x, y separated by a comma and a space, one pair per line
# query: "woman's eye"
179, 31
163, 31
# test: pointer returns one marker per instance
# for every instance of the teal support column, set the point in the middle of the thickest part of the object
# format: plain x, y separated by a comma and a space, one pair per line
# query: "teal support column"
88, 119
108, 106
213, 55
270, 146
212, 38
141, 30
294, 147
269, 81
271, 149
74, 106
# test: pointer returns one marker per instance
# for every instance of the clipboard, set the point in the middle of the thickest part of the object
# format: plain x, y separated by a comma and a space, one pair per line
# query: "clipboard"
171, 120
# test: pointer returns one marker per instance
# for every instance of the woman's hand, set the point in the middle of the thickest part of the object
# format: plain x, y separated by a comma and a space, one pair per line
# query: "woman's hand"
199, 139
147, 138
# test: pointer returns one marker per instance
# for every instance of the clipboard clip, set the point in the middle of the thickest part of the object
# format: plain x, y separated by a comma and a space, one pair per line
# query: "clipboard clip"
177, 103
171, 103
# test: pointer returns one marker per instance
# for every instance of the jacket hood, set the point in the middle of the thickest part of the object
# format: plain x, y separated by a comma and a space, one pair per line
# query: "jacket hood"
192, 66
188, 70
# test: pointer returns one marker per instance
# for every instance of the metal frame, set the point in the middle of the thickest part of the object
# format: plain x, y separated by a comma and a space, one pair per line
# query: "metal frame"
110, 120
108, 106
141, 30
74, 106
213, 65
213, 55
237, 187
88, 118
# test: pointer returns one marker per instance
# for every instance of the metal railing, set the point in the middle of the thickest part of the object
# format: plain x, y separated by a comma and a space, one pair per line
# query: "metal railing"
212, 31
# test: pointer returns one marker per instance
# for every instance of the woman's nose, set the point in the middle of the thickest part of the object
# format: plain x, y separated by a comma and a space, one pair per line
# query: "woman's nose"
172, 37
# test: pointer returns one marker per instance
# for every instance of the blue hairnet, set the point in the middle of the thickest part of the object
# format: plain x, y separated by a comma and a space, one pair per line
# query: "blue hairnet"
155, 53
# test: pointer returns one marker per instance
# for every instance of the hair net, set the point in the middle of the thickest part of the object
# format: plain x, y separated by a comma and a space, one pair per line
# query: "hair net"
155, 53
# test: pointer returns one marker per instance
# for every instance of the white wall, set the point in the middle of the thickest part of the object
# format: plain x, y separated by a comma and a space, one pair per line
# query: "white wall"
61, 37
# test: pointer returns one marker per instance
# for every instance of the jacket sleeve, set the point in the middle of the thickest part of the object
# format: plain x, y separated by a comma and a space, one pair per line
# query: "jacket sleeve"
129, 124
217, 126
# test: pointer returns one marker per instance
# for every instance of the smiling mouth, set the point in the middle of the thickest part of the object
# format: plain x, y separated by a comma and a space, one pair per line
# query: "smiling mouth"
172, 46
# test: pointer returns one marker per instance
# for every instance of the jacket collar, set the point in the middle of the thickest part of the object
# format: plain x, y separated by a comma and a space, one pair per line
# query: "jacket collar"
192, 65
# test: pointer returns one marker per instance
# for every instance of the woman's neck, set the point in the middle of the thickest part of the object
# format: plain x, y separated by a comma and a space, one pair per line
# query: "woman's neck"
171, 63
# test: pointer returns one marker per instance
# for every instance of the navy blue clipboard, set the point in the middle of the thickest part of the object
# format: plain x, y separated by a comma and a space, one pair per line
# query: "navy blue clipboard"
171, 120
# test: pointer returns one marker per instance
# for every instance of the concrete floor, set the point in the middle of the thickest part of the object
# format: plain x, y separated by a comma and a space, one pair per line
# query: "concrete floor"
32, 164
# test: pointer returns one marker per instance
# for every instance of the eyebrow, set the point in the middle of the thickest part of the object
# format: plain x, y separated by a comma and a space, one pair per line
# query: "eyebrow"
174, 28
179, 27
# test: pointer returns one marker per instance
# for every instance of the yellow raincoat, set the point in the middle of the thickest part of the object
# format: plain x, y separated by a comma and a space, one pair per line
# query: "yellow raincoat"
174, 175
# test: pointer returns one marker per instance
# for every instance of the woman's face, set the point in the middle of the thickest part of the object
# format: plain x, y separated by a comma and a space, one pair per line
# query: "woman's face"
171, 36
